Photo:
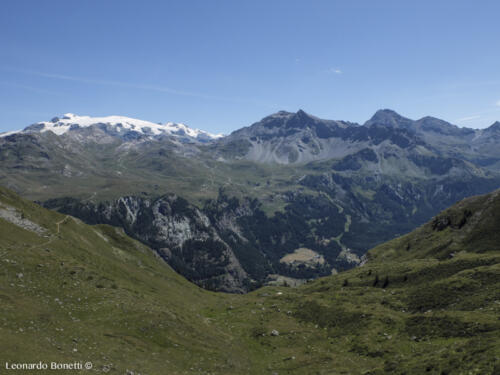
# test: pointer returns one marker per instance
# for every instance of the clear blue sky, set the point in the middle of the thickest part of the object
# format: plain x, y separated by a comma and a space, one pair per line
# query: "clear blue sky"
220, 65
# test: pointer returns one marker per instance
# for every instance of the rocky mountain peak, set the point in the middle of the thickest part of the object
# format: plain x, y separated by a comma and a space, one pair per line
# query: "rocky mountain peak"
301, 120
302, 114
281, 114
494, 127
430, 119
429, 123
390, 118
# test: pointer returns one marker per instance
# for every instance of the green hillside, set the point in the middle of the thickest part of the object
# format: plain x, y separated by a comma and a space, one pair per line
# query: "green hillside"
91, 293
428, 302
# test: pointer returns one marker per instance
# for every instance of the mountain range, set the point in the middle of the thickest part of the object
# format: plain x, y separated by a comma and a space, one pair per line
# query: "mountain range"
119, 126
287, 138
289, 198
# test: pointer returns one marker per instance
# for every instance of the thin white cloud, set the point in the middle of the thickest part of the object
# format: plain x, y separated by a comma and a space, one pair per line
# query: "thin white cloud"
498, 103
484, 115
467, 119
162, 89
334, 71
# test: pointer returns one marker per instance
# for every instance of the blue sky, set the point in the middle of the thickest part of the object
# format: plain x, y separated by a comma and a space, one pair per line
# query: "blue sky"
220, 65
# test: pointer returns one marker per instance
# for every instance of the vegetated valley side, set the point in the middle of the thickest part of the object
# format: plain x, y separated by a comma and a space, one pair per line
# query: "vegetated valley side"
426, 302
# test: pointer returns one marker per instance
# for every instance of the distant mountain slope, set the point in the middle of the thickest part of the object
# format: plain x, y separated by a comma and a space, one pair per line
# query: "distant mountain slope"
124, 127
286, 138
289, 138
72, 292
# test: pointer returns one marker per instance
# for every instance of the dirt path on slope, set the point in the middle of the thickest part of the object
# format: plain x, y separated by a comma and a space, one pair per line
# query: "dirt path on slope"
60, 222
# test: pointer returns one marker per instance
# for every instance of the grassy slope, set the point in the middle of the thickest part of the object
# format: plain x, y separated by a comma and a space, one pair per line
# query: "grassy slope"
424, 315
97, 291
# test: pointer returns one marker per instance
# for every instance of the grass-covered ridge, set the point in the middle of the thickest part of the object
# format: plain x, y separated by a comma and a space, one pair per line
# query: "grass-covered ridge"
89, 293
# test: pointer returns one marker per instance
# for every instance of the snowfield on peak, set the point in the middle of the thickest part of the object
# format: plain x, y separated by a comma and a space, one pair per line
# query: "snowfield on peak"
69, 121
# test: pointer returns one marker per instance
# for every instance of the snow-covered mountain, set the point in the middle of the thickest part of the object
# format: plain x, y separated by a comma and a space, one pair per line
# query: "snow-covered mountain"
120, 125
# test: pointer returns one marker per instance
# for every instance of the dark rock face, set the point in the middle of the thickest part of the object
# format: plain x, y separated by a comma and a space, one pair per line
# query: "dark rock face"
354, 161
179, 232
495, 127
229, 245
441, 223
457, 221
